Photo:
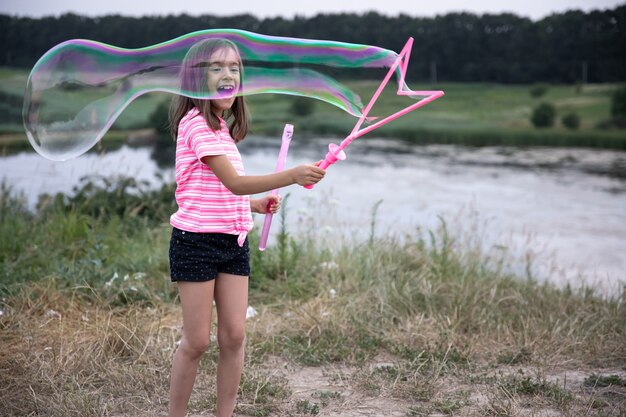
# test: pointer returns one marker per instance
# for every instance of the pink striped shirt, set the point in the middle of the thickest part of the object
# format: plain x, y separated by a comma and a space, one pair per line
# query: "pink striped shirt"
205, 205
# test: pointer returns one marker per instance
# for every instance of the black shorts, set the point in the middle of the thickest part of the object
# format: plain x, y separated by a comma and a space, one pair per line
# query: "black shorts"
201, 256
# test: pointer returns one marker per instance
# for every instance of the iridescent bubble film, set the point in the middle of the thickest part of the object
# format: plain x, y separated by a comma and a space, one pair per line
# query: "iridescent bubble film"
76, 91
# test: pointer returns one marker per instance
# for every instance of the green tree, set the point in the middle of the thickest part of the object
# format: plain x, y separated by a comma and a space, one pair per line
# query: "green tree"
465, 47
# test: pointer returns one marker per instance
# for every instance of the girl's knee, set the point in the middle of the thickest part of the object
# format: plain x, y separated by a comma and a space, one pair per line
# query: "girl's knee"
195, 346
231, 339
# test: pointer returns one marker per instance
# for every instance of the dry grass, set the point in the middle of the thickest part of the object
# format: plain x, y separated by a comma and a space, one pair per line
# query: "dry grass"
62, 356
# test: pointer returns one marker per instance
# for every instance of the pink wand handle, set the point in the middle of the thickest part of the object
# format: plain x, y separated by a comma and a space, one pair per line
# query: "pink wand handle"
280, 165
267, 224
335, 153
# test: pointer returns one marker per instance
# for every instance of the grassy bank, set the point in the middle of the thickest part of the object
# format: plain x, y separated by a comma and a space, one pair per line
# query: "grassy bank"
427, 327
469, 114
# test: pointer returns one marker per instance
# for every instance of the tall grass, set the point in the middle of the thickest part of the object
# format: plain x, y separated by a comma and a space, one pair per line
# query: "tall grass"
89, 320
107, 227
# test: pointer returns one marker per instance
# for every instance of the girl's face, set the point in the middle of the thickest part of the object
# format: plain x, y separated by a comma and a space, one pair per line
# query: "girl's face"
224, 78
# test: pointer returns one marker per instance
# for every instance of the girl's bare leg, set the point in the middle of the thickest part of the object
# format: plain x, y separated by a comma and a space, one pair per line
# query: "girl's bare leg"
196, 299
231, 298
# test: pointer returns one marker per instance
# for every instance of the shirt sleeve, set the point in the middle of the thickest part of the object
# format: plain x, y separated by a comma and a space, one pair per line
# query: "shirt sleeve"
203, 141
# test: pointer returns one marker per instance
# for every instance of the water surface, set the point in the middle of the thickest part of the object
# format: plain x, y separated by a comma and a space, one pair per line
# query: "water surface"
563, 209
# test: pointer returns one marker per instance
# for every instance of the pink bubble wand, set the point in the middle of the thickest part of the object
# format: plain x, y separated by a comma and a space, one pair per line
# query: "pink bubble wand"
336, 153
280, 165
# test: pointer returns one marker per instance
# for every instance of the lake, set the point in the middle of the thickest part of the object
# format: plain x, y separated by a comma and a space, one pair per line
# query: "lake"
558, 213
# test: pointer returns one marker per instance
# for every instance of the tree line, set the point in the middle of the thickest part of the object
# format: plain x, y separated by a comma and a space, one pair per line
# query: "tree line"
569, 47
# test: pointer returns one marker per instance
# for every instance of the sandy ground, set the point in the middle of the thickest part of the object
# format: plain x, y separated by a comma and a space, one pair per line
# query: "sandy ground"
334, 391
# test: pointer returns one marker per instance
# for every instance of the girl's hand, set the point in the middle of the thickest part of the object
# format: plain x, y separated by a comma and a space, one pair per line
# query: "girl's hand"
268, 204
308, 174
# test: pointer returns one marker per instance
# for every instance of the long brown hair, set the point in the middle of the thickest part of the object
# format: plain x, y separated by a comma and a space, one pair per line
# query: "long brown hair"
193, 78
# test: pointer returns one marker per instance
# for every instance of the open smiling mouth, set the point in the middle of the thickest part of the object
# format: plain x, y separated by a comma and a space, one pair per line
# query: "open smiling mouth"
225, 91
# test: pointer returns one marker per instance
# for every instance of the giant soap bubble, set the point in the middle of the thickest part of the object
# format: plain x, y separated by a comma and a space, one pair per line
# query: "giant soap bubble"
76, 91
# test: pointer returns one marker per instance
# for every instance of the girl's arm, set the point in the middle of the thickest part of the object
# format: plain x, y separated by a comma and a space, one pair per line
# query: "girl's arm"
254, 184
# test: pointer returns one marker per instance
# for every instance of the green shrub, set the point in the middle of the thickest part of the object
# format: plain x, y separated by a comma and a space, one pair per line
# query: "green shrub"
103, 197
538, 90
543, 115
159, 119
618, 103
10, 108
571, 121
302, 106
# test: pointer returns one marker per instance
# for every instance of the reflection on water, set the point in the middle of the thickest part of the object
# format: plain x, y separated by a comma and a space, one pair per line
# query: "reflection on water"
563, 208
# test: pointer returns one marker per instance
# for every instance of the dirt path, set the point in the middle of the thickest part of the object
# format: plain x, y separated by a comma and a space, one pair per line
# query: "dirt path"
341, 391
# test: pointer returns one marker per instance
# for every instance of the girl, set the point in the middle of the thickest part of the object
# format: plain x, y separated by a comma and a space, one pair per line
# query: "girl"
209, 255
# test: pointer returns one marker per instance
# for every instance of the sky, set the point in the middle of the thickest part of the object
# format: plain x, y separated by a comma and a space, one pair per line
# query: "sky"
534, 9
